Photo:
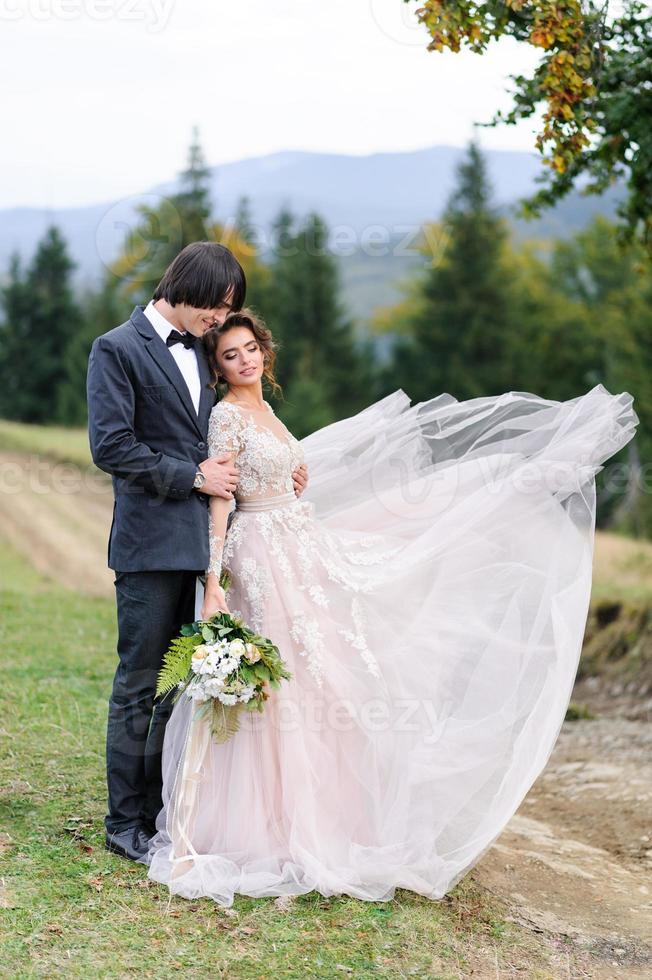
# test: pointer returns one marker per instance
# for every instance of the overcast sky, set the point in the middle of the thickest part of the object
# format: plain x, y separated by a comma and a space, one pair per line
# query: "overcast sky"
99, 96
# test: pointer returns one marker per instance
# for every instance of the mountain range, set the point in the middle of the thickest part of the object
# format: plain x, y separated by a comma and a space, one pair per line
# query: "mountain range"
372, 204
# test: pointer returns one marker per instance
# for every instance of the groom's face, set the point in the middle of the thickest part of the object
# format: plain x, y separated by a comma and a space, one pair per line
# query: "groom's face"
197, 321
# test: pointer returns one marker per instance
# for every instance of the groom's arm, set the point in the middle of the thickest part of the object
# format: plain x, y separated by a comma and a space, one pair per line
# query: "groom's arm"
114, 447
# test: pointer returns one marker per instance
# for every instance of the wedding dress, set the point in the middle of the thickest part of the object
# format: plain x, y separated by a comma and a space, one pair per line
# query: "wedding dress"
429, 593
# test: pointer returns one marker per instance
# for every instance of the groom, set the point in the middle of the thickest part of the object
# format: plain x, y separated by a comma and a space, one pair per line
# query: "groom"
149, 402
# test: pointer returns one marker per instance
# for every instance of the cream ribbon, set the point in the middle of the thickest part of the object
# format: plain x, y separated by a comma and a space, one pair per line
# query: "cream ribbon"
180, 824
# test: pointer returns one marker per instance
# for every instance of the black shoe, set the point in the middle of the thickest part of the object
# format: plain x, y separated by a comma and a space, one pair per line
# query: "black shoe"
149, 827
132, 843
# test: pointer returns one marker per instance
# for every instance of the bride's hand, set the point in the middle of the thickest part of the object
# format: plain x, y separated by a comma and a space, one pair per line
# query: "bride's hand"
214, 602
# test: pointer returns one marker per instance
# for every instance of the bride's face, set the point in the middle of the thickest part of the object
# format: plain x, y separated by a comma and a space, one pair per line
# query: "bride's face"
240, 357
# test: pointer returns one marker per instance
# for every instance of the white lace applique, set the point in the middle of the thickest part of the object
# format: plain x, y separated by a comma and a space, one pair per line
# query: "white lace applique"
266, 461
318, 595
224, 431
233, 538
256, 589
337, 566
304, 553
224, 436
366, 542
369, 540
267, 525
313, 551
306, 633
360, 558
358, 639
216, 549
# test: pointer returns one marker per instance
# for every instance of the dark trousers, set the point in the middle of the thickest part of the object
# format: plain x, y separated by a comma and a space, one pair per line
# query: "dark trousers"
152, 607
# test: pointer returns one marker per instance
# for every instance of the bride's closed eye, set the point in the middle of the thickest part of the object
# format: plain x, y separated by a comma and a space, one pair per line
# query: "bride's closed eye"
230, 357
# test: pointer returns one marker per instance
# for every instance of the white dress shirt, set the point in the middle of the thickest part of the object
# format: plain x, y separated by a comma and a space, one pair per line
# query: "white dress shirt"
185, 357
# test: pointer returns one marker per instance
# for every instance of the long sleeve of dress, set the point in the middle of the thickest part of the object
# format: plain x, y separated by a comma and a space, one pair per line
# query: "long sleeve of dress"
224, 430
217, 520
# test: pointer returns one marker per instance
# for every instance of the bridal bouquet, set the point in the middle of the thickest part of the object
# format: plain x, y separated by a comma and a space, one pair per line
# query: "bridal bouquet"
225, 667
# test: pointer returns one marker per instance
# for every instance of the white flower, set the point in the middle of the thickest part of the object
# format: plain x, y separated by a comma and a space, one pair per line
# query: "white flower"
228, 664
247, 693
237, 649
227, 698
213, 686
196, 693
216, 659
202, 667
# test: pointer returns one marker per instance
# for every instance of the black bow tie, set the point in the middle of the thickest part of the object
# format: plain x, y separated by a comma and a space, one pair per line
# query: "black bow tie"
187, 339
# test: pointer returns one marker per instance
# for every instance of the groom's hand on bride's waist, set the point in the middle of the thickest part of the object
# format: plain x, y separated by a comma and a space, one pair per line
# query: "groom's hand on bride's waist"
220, 476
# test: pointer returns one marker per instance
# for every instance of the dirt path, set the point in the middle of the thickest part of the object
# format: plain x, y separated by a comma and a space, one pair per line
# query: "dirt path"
575, 862
58, 517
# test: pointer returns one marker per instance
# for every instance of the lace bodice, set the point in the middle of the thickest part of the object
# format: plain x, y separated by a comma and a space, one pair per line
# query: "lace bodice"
267, 453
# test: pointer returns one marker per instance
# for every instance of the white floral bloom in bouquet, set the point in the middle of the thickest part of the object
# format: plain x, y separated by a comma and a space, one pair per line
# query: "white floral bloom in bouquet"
224, 667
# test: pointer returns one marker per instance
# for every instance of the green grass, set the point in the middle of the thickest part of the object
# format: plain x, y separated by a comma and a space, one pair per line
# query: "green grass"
59, 444
69, 908
622, 569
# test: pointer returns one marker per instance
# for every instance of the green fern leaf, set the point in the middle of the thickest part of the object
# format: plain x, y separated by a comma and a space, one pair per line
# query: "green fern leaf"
226, 721
176, 663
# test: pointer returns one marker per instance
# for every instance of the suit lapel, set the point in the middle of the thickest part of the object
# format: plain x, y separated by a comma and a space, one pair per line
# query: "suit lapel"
169, 367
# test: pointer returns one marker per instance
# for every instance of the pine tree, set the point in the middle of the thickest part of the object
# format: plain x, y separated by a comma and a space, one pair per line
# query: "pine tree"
194, 198
337, 357
460, 333
243, 221
164, 230
101, 311
318, 345
284, 309
614, 285
557, 351
42, 322
16, 353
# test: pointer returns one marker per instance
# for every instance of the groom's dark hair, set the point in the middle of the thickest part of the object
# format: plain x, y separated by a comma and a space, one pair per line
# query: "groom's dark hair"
202, 275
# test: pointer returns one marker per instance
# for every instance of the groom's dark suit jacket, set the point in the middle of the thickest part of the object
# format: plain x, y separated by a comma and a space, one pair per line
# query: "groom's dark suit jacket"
144, 431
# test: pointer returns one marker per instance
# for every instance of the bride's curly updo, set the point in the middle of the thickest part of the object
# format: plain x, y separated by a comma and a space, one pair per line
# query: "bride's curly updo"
243, 318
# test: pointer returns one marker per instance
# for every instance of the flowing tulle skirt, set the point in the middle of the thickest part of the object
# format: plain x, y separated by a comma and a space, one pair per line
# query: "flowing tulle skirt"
429, 593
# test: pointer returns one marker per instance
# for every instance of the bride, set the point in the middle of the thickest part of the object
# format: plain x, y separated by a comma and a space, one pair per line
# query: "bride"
428, 592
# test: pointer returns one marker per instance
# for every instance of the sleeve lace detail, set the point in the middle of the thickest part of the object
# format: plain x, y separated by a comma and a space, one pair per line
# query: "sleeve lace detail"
224, 431
266, 459
216, 534
224, 436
